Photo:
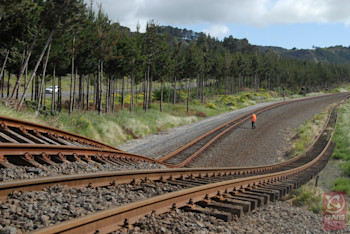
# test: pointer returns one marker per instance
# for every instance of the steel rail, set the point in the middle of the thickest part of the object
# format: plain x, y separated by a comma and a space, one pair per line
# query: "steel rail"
227, 127
12, 151
114, 218
25, 125
107, 178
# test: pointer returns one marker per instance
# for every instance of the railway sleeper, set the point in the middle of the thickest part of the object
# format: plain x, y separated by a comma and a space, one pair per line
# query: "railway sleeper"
253, 202
273, 194
226, 216
260, 200
244, 204
266, 197
220, 206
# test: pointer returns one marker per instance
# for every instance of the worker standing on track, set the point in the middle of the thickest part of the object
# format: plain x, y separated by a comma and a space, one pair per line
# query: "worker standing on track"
253, 120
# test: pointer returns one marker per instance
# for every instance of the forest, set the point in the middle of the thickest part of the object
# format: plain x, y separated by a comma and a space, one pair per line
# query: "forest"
44, 42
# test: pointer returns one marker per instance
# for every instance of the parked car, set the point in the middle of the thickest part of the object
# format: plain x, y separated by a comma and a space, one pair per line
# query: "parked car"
50, 89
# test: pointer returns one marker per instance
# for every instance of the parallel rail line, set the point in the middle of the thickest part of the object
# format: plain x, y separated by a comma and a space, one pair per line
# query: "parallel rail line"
232, 196
222, 185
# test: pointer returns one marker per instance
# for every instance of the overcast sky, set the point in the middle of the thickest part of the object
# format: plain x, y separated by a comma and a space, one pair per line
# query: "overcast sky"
286, 23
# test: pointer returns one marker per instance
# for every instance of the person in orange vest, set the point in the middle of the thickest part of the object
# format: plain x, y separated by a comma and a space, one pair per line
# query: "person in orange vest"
253, 120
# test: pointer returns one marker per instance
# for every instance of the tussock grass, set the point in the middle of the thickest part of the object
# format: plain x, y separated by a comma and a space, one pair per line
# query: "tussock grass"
309, 197
342, 149
308, 132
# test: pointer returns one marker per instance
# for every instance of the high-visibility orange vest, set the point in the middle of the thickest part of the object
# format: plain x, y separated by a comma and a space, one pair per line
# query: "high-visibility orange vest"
253, 117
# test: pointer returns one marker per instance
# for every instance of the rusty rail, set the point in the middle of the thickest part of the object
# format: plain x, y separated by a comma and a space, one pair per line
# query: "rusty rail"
115, 218
107, 178
20, 131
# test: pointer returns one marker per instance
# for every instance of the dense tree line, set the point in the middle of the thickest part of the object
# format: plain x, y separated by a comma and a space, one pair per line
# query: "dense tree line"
45, 40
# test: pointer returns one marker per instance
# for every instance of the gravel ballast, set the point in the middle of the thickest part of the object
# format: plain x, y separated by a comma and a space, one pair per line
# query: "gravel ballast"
20, 173
31, 210
277, 217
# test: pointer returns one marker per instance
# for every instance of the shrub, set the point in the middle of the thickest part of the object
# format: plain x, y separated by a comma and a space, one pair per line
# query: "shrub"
210, 105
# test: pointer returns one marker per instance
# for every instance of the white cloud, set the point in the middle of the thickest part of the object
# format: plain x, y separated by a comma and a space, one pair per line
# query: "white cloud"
225, 12
217, 31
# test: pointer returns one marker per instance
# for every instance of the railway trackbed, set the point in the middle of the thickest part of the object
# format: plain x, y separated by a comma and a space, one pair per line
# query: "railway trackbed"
187, 153
222, 192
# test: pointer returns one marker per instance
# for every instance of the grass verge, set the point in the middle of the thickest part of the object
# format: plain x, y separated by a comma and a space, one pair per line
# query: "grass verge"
342, 149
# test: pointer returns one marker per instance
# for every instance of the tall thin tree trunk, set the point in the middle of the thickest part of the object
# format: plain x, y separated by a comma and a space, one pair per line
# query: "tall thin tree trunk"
42, 88
188, 95
4, 63
71, 79
25, 63
108, 94
161, 96
145, 84
202, 89
2, 83
175, 90
132, 92
113, 94
74, 89
150, 91
33, 74
100, 88
123, 93
87, 92
53, 101
8, 83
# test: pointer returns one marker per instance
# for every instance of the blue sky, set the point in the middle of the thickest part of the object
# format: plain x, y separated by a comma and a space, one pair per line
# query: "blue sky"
285, 23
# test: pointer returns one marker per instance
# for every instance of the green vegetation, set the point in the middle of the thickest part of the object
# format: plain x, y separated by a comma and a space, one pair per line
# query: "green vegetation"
342, 148
308, 196
307, 133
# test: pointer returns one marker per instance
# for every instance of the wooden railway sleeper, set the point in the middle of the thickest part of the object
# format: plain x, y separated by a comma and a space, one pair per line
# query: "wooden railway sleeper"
226, 216
266, 197
220, 206
253, 202
273, 194
244, 204
260, 200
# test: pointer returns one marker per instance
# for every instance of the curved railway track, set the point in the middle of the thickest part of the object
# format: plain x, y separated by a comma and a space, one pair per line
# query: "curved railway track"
231, 190
185, 154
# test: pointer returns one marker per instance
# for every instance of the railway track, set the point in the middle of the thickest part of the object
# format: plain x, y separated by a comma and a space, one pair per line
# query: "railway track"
185, 154
27, 144
230, 191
